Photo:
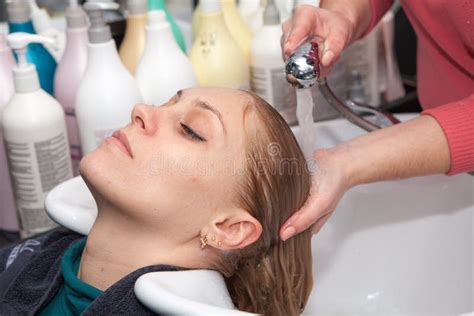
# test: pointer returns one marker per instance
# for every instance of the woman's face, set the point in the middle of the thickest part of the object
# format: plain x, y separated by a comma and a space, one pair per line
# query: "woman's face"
175, 165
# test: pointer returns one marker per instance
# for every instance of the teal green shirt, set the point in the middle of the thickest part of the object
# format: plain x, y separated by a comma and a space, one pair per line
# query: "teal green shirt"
74, 296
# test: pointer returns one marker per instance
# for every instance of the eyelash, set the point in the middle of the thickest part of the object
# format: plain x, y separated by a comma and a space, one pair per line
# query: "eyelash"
189, 132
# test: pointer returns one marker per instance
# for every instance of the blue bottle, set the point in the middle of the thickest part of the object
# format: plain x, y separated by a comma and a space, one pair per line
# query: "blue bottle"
19, 21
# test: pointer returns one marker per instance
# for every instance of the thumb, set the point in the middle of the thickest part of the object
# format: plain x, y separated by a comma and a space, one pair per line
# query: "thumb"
320, 223
303, 218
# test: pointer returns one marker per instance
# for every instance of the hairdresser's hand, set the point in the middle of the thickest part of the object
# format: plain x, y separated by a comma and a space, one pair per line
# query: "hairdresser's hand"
337, 22
307, 21
330, 180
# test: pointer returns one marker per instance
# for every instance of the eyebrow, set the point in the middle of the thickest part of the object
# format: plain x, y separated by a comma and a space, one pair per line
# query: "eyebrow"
206, 106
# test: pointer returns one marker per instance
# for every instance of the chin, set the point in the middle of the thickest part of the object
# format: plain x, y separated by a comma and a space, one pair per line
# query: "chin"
109, 179
100, 171
91, 163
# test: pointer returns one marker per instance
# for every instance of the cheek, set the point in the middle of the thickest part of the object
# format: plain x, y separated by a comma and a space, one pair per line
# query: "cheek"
179, 173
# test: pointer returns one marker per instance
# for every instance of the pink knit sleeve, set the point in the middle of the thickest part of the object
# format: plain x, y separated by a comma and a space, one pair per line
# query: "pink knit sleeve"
377, 8
457, 121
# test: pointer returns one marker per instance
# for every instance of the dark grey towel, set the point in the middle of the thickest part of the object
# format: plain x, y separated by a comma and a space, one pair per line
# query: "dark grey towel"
30, 276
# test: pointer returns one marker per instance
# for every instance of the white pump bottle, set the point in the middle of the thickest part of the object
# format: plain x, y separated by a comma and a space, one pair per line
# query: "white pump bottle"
107, 92
164, 68
34, 130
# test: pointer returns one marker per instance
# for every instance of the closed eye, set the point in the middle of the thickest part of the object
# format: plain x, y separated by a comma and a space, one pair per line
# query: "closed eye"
189, 132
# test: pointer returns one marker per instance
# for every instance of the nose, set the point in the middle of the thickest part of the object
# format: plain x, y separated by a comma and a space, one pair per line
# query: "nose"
143, 118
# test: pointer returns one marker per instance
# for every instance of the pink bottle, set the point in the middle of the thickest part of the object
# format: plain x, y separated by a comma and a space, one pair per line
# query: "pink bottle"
69, 73
8, 216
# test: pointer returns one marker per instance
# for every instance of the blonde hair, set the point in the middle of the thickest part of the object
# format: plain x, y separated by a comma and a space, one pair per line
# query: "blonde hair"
272, 277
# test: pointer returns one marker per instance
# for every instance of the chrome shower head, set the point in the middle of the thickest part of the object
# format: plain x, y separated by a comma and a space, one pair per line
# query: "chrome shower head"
303, 66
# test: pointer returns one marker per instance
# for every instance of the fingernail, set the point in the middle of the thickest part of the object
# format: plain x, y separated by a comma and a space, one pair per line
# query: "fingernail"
288, 232
327, 58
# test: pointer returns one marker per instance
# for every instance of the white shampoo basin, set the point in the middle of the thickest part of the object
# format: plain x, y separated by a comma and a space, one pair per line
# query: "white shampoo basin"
396, 247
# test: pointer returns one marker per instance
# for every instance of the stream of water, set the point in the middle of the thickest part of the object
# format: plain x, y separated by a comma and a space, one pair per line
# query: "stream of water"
304, 113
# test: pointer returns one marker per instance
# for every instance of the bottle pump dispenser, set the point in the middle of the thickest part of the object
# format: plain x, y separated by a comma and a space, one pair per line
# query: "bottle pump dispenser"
19, 21
43, 26
25, 75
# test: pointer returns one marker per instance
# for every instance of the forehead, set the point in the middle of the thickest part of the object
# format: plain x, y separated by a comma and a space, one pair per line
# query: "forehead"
223, 99
233, 105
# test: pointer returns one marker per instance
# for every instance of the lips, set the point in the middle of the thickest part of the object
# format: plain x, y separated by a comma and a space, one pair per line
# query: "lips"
123, 140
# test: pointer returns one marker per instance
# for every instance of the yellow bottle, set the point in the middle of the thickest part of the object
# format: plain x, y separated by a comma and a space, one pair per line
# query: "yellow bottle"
236, 25
239, 30
133, 43
196, 22
216, 57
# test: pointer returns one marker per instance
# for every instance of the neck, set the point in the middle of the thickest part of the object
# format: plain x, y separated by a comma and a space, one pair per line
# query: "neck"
116, 246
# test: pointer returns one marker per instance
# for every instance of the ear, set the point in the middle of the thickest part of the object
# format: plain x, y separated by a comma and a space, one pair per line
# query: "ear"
234, 229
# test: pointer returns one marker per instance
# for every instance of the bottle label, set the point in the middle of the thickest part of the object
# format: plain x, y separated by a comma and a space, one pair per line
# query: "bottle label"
271, 85
36, 168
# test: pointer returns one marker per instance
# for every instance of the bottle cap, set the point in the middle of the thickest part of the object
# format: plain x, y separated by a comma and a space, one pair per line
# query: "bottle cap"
18, 11
99, 31
75, 15
210, 6
137, 7
271, 15
24, 74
